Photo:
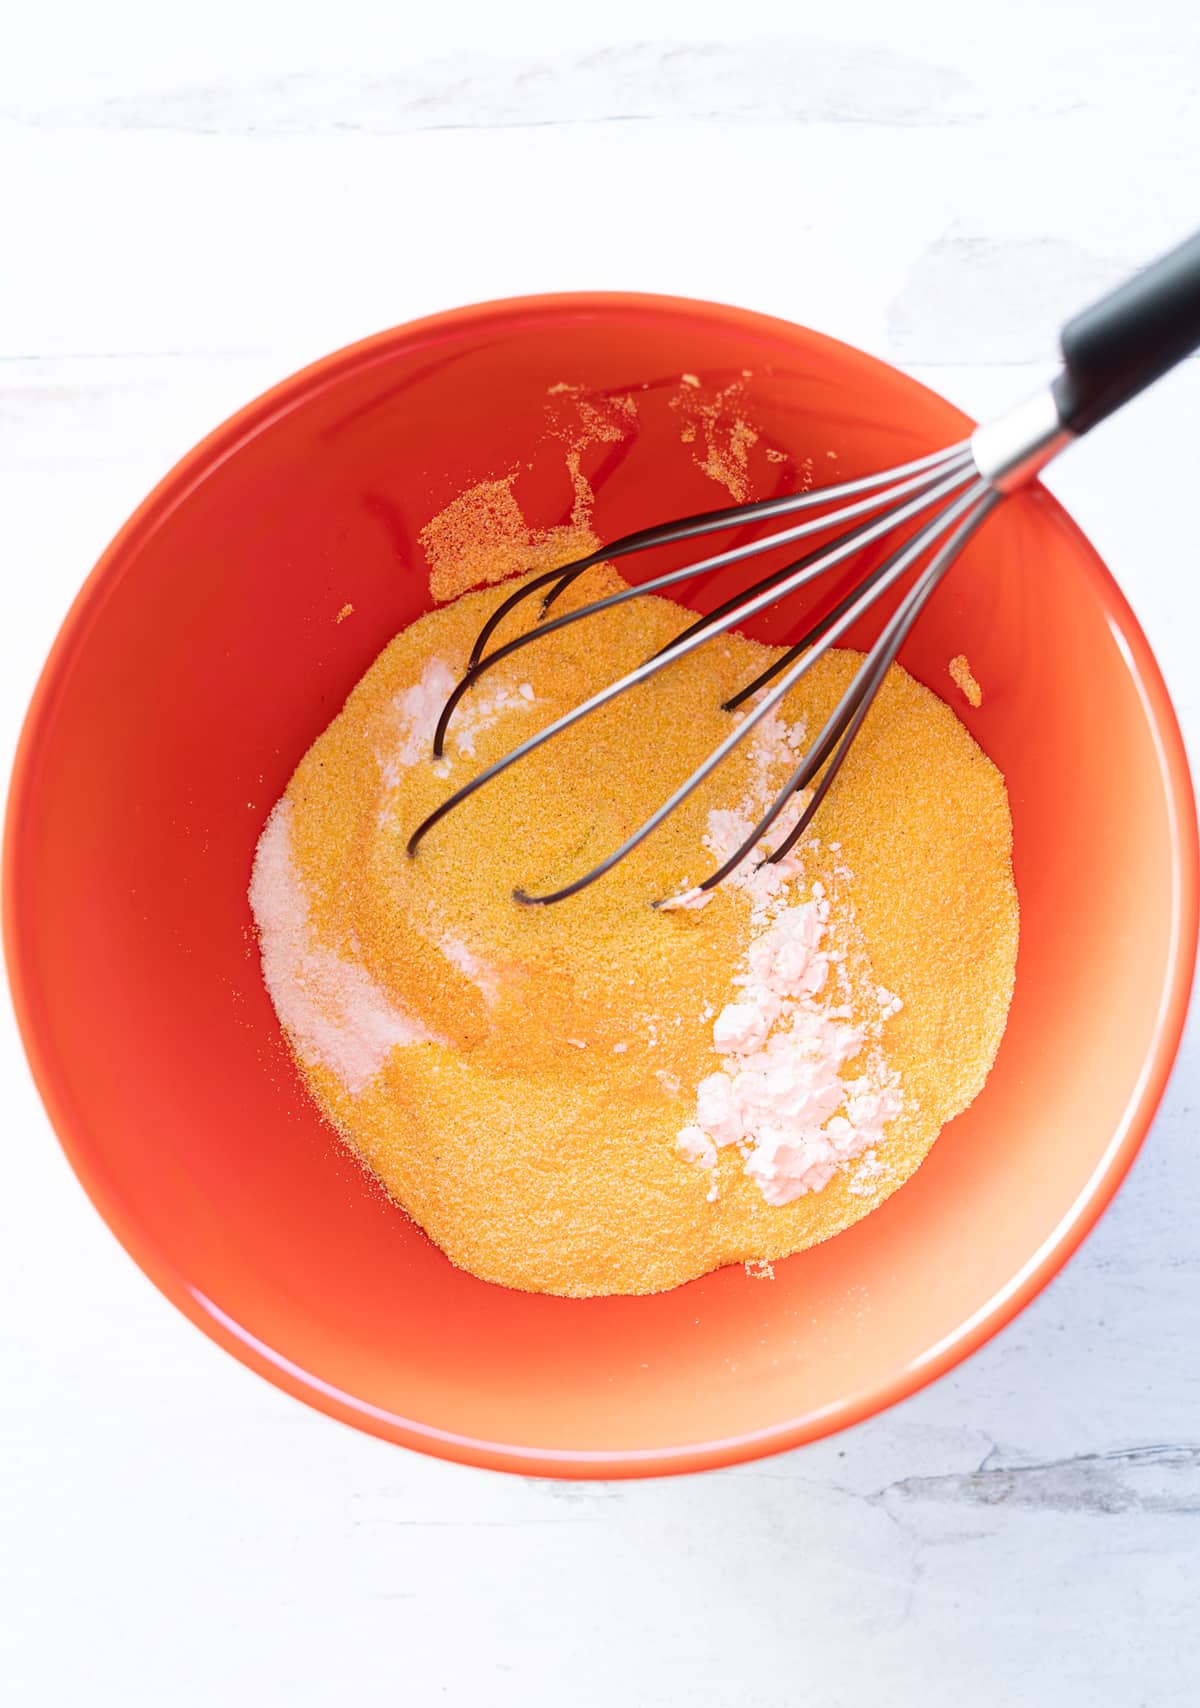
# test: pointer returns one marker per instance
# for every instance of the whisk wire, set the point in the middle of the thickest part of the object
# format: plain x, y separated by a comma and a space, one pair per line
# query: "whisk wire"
918, 492
708, 618
844, 722
851, 601
679, 649
1111, 352
921, 541
707, 522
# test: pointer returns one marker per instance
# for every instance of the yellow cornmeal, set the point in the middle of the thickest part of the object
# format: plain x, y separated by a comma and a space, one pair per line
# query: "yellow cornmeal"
483, 537
536, 1143
964, 680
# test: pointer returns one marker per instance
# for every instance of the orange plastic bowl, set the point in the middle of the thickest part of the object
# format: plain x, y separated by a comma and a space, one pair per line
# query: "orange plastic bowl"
202, 658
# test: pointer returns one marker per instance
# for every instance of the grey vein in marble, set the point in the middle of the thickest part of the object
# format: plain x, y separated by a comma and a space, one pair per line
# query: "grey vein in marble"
974, 298
796, 79
1140, 1479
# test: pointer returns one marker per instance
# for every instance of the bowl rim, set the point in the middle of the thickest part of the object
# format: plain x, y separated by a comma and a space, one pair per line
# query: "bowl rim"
156, 1262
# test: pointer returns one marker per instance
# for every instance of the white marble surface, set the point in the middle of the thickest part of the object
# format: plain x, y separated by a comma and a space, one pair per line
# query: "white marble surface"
195, 200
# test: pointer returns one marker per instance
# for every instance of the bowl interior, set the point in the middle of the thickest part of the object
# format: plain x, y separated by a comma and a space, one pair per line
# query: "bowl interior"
205, 656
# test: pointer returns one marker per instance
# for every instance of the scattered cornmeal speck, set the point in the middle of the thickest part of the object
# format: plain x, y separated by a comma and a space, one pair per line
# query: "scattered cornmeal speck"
964, 680
482, 536
758, 1269
728, 436
346, 611
552, 1092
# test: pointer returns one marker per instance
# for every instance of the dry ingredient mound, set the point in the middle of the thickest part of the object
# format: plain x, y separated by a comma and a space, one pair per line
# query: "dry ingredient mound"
600, 1097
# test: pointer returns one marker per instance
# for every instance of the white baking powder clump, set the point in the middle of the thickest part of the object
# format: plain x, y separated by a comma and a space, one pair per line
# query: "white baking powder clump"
803, 1088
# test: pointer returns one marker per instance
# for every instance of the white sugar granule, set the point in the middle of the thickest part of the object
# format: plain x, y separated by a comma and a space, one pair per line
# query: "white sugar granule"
332, 1010
471, 966
417, 710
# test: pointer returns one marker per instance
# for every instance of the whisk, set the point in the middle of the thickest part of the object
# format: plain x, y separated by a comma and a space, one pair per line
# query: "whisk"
1110, 352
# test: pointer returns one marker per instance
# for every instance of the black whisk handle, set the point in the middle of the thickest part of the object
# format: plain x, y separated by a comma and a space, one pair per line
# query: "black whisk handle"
1130, 338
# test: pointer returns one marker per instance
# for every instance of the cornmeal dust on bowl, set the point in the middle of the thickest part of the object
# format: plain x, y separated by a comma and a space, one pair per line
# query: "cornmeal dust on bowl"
600, 1096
